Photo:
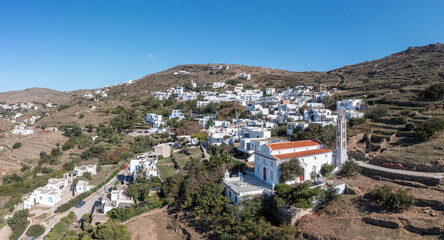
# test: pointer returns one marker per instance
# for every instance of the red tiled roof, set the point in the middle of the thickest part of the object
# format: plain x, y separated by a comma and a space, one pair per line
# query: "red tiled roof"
295, 144
301, 154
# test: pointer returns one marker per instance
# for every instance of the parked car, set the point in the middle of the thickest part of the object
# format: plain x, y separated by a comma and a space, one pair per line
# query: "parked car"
80, 204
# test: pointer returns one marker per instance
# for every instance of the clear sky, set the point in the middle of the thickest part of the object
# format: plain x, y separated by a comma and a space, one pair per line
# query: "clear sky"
68, 45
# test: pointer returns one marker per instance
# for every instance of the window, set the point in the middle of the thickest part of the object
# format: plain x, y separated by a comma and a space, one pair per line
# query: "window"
235, 198
230, 193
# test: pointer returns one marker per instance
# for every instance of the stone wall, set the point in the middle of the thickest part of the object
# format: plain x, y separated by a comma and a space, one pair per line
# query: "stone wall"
431, 181
291, 215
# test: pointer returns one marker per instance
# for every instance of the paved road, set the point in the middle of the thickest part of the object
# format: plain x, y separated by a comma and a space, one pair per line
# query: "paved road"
94, 199
87, 208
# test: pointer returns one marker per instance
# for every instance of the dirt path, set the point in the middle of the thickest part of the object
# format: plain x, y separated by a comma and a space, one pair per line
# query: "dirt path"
5, 232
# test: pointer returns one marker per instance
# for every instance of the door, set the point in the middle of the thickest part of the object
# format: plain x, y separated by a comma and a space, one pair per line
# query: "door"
301, 178
265, 174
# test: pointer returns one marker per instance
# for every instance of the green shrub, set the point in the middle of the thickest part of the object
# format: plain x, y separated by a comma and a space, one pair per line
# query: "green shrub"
355, 121
12, 201
331, 194
17, 145
69, 166
290, 170
299, 196
62, 107
429, 129
409, 127
18, 223
327, 169
124, 213
434, 92
350, 168
393, 199
35, 231
378, 112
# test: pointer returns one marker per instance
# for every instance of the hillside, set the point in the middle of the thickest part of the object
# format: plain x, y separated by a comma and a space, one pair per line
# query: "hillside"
33, 95
405, 72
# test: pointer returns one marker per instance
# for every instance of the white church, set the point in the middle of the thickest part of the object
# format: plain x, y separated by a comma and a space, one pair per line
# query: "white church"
311, 154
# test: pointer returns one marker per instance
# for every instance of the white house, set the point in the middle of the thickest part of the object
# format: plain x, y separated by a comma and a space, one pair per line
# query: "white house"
179, 90
82, 186
117, 198
148, 163
79, 171
349, 104
176, 114
155, 119
48, 195
349, 114
270, 91
218, 84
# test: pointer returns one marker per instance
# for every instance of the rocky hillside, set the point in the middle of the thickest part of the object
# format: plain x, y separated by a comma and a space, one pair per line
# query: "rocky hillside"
405, 72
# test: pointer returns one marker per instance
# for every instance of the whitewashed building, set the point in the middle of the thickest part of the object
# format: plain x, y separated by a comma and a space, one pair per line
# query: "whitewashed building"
48, 195
82, 186
349, 104
153, 118
311, 155
176, 114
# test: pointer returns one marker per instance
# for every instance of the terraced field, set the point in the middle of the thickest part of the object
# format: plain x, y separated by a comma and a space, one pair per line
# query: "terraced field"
33, 144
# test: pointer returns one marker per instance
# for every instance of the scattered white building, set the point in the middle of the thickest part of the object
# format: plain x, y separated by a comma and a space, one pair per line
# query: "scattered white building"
176, 114
21, 129
269, 91
218, 85
79, 171
48, 195
144, 162
349, 104
155, 119
245, 76
82, 186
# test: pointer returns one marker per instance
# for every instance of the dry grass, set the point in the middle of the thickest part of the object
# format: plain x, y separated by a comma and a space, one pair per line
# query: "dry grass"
155, 227
343, 219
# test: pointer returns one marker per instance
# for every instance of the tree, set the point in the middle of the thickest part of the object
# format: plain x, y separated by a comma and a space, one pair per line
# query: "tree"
110, 230
17, 145
290, 170
69, 166
126, 120
201, 136
429, 129
350, 168
327, 169
298, 196
87, 175
35, 231
378, 112
18, 223
331, 194
394, 199
63, 228
434, 92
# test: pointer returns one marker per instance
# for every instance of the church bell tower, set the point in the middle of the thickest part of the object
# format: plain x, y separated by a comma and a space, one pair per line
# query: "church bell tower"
341, 140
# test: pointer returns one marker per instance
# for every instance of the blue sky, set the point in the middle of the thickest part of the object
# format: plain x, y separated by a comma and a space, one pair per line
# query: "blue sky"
68, 45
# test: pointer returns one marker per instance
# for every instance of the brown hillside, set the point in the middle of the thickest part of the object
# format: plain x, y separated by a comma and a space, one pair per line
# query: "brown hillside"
405, 72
